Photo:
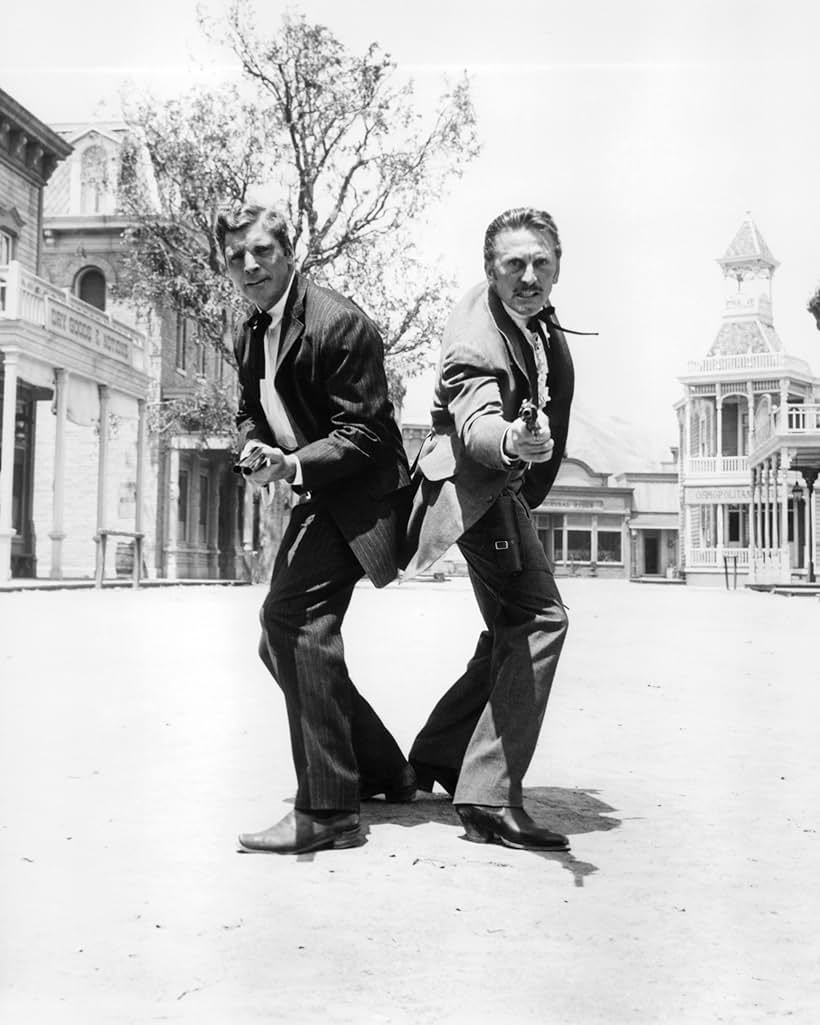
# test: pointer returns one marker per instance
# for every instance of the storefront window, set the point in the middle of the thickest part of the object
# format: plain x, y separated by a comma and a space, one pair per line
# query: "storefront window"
609, 546
579, 545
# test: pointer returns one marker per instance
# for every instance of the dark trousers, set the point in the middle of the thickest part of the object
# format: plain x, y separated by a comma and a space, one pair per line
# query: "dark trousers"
338, 741
486, 726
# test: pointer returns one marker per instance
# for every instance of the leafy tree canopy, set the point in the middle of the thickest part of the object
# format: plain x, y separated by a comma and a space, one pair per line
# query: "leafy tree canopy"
336, 140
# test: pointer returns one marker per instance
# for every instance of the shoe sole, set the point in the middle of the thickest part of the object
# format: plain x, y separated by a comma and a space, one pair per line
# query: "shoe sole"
349, 838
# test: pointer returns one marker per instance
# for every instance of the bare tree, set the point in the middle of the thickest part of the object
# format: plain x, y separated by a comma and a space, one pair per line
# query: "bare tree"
337, 139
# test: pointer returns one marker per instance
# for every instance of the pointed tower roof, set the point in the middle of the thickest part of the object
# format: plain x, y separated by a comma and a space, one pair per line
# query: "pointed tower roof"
748, 247
748, 266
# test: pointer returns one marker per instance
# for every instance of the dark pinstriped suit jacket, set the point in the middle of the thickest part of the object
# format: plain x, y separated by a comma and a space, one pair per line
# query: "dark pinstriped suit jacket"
330, 375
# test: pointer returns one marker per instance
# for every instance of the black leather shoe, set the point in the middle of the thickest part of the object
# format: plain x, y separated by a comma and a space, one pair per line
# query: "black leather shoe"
429, 775
399, 790
511, 827
299, 832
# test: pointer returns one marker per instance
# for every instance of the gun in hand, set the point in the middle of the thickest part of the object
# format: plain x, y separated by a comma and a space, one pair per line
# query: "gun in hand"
250, 463
529, 414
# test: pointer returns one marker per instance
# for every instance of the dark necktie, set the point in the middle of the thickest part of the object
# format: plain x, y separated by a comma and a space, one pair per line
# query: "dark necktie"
258, 324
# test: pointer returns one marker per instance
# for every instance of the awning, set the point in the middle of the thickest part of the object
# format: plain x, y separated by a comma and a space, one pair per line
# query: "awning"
654, 521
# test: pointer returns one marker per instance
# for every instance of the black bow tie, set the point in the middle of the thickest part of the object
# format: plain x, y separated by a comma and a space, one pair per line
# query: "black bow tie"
543, 316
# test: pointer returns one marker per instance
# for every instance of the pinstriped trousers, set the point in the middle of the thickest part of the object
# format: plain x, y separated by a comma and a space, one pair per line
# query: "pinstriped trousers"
338, 741
485, 728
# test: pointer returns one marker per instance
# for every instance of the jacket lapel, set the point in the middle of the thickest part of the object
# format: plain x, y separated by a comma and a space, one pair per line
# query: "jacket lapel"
293, 320
512, 337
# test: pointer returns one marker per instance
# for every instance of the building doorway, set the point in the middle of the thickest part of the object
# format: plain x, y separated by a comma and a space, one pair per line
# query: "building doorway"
23, 553
651, 554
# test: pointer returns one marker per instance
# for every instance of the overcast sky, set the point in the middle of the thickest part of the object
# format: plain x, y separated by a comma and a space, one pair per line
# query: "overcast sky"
647, 128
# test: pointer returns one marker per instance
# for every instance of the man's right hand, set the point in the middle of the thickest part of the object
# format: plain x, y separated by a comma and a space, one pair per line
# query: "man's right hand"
267, 464
529, 446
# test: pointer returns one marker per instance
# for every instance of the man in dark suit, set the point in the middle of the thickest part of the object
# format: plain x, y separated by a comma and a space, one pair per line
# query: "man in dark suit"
481, 471
314, 411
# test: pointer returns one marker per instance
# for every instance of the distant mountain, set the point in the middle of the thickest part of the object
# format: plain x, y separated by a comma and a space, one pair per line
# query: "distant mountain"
611, 444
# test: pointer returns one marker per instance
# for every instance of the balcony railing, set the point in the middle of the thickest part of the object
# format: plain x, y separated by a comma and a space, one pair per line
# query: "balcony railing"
794, 420
799, 419
25, 297
712, 558
749, 361
697, 465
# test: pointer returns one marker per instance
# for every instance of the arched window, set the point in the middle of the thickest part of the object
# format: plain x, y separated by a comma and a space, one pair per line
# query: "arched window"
91, 287
93, 180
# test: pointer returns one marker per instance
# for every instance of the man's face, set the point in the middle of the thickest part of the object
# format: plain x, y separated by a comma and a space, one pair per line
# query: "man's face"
523, 270
257, 265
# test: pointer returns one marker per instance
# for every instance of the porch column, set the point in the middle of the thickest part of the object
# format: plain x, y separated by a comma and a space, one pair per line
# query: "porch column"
810, 477
750, 427
776, 502
172, 515
57, 534
139, 545
807, 532
10, 361
759, 540
719, 513
752, 533
796, 532
102, 466
784, 502
719, 419
767, 519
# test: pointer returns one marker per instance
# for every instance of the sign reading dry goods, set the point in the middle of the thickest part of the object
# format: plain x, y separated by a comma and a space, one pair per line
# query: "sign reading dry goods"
71, 324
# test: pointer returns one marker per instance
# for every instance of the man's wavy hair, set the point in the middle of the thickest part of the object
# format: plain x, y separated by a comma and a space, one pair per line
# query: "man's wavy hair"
521, 217
239, 215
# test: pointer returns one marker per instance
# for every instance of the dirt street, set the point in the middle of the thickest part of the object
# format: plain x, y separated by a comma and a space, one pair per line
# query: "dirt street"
139, 734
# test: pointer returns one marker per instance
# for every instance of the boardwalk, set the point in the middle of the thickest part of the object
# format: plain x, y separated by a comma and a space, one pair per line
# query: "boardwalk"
138, 735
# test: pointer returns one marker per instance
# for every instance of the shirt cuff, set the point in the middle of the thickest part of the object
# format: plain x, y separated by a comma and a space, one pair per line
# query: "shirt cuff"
297, 480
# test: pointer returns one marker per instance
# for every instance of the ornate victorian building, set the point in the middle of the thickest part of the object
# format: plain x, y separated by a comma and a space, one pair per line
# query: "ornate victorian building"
58, 352
197, 513
749, 439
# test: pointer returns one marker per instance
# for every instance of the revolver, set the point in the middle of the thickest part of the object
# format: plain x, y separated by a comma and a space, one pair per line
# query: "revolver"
255, 460
529, 414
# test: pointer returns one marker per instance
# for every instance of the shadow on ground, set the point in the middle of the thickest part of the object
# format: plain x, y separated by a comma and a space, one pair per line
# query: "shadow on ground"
569, 811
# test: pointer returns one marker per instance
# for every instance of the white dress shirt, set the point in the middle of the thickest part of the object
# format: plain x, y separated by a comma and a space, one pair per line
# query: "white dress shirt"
276, 414
537, 344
